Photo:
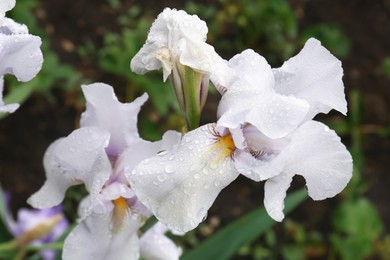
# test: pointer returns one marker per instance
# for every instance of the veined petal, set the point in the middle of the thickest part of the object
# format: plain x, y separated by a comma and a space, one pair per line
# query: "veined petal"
315, 75
316, 153
78, 158
6, 5
20, 55
93, 239
272, 114
155, 245
102, 104
180, 185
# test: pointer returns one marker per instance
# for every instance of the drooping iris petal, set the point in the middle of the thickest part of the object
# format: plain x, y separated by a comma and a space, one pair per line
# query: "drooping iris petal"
315, 75
180, 185
6, 5
106, 112
272, 114
155, 245
316, 153
92, 238
78, 158
20, 52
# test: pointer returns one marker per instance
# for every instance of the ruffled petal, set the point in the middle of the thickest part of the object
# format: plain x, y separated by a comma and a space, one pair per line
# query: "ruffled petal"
154, 245
272, 114
102, 104
176, 35
181, 184
316, 153
20, 55
78, 158
315, 75
93, 239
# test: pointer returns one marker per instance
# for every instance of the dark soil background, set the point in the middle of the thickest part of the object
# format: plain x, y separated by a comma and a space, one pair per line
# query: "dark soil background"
26, 134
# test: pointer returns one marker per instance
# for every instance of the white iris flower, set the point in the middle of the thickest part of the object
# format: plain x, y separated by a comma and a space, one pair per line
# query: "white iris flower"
264, 132
97, 155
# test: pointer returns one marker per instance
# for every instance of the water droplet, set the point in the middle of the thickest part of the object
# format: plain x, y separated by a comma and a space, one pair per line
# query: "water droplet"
196, 176
162, 153
169, 169
161, 177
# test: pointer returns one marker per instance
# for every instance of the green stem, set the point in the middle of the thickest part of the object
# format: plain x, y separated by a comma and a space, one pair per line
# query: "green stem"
8, 246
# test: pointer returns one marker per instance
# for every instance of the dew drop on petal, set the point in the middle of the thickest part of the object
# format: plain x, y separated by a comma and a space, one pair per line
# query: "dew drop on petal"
161, 177
169, 169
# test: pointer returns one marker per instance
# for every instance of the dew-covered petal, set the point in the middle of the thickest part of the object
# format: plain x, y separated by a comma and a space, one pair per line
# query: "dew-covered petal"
180, 185
254, 70
315, 75
92, 238
20, 55
145, 149
176, 35
53, 190
6, 5
154, 245
316, 153
106, 112
78, 158
274, 194
272, 114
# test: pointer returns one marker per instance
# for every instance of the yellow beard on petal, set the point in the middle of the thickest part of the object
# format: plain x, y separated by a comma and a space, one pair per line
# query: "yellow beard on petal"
222, 149
118, 215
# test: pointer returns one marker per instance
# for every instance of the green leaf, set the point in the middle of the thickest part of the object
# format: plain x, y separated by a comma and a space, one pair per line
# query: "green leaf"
386, 66
225, 243
359, 225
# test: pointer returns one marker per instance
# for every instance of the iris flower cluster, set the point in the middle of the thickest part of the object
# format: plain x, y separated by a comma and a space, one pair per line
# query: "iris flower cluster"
264, 131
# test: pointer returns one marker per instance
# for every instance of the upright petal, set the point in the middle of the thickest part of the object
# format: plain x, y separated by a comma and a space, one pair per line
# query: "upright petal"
181, 184
316, 153
20, 55
315, 75
154, 245
272, 114
93, 239
106, 112
254, 70
78, 158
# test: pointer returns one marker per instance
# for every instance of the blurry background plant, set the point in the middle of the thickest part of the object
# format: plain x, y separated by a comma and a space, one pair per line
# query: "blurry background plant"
87, 41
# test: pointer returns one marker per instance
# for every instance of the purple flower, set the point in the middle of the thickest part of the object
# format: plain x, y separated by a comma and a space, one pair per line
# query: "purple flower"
28, 219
